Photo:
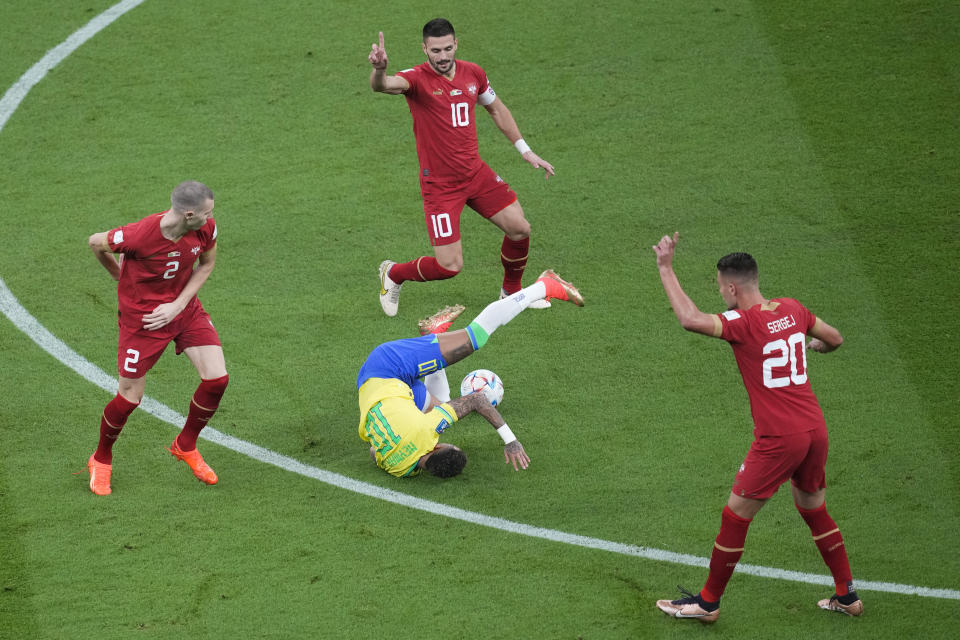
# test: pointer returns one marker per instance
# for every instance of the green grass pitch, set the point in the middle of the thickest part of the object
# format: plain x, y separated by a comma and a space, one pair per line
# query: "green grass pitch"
820, 136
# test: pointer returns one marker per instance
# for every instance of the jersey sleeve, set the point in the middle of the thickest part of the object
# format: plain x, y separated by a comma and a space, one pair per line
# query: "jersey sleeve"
809, 318
734, 326
485, 95
209, 239
445, 416
124, 239
412, 78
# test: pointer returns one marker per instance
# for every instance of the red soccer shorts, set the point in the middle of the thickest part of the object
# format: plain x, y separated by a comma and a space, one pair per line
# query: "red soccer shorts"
486, 193
140, 349
772, 460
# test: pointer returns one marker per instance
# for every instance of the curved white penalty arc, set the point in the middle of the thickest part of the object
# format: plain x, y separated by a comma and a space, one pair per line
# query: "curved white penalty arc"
26, 323
29, 325
15, 94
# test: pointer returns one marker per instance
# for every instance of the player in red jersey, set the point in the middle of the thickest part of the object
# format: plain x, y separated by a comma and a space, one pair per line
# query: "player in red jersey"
442, 93
790, 436
157, 295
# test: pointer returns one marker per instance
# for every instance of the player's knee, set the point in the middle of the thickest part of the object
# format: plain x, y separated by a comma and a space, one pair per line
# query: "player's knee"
520, 230
451, 265
131, 391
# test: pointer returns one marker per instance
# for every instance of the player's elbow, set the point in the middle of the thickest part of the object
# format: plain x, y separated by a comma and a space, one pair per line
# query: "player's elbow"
95, 242
835, 341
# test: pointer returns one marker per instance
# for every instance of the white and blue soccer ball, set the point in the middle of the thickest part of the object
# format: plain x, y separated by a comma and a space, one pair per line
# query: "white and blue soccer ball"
486, 382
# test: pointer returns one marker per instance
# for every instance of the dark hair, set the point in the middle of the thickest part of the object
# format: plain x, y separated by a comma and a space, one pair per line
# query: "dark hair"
740, 265
437, 28
446, 462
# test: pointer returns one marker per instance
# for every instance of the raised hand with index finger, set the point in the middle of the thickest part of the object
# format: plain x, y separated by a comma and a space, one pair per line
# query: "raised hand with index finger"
378, 55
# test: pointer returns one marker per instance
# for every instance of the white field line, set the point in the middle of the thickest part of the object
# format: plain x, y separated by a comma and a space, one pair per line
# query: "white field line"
29, 325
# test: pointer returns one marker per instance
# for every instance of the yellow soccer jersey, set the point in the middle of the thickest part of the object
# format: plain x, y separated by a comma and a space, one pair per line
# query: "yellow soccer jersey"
397, 429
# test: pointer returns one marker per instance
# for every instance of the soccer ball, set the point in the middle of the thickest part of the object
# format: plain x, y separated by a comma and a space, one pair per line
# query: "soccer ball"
486, 381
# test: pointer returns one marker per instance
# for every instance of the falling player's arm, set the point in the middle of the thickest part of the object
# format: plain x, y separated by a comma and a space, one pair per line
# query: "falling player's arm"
379, 80
101, 249
508, 126
825, 338
512, 451
165, 313
690, 317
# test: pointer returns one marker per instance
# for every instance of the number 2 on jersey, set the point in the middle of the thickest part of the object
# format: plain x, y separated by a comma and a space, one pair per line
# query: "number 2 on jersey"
171, 271
786, 351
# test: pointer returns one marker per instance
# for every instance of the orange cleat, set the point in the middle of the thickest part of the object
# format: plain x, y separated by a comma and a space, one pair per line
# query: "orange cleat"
441, 320
194, 460
99, 476
559, 288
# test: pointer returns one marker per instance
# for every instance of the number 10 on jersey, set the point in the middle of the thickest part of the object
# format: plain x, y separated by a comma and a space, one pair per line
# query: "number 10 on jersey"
460, 114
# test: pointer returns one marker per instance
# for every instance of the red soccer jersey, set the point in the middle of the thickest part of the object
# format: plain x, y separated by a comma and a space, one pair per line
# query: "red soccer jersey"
443, 119
155, 270
770, 348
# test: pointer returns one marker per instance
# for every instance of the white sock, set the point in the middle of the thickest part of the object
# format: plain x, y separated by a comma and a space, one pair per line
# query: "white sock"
438, 386
496, 314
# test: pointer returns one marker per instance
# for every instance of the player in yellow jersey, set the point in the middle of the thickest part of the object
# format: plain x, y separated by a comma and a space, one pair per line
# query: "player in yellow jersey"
405, 398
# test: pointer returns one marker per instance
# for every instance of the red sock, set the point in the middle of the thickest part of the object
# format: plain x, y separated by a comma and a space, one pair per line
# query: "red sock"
205, 401
726, 553
826, 534
513, 257
422, 269
114, 416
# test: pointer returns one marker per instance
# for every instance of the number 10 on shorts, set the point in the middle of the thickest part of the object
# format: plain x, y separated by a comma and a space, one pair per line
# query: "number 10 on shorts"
442, 227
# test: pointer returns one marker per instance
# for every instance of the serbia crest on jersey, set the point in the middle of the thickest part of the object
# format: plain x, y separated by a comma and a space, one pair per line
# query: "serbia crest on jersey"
443, 119
155, 269
769, 343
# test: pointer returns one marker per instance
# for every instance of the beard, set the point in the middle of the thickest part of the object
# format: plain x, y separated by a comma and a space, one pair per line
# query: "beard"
443, 66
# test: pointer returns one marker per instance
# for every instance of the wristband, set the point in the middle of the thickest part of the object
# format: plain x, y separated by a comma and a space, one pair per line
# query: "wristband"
506, 434
521, 146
